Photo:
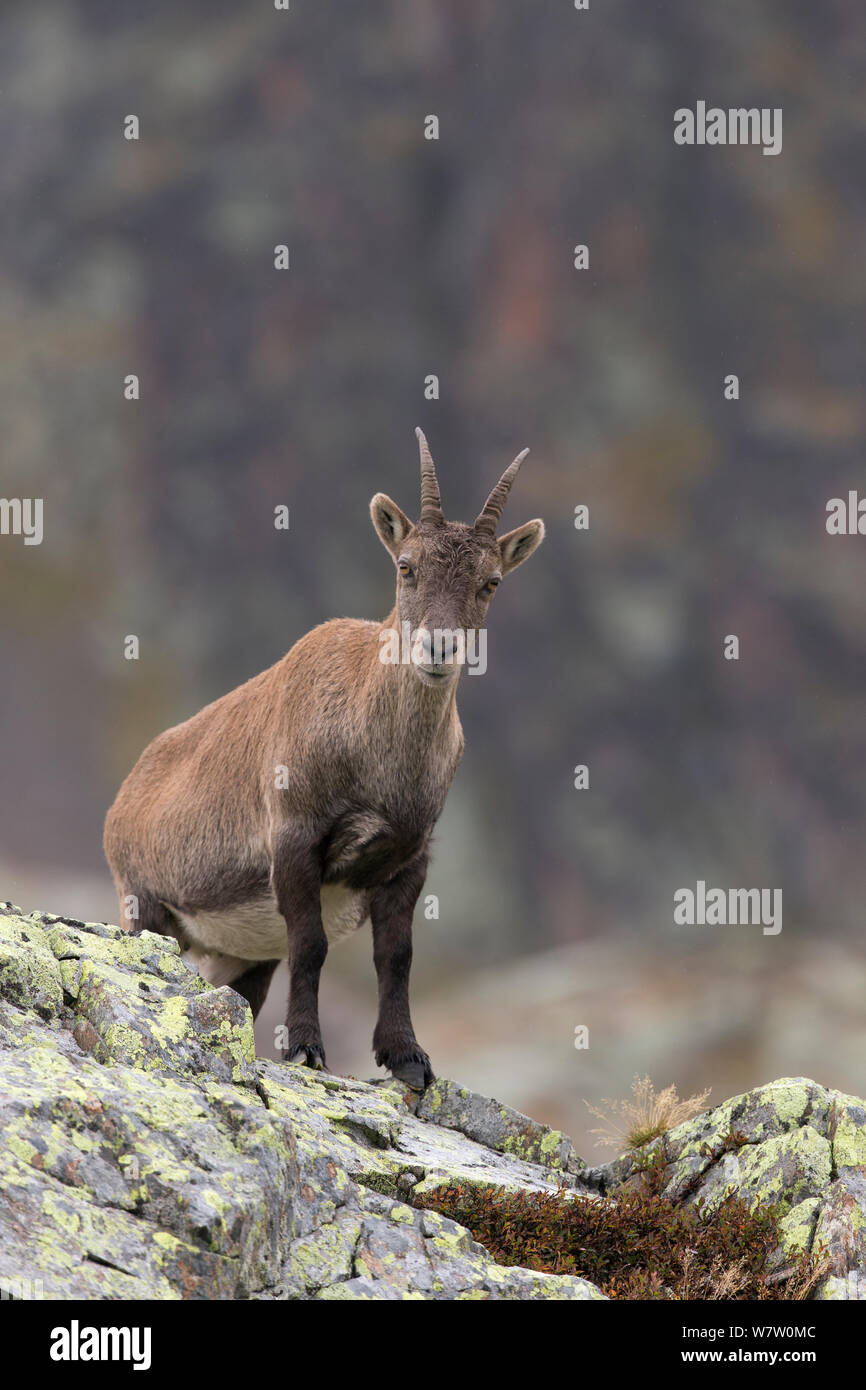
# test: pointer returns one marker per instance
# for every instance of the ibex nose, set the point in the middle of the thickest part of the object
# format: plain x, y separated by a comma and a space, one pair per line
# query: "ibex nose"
444, 647
438, 645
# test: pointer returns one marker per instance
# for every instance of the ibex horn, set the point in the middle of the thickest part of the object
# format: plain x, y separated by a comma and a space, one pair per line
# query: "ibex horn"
488, 517
431, 506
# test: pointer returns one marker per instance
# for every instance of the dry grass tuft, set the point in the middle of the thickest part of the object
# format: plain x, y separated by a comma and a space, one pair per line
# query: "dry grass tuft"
644, 1116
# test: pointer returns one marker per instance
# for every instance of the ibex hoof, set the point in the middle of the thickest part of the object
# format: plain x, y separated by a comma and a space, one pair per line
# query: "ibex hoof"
308, 1057
414, 1072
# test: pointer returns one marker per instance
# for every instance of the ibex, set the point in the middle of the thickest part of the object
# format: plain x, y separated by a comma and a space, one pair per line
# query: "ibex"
284, 815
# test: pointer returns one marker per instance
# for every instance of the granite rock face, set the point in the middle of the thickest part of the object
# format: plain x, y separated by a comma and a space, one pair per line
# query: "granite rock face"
145, 1152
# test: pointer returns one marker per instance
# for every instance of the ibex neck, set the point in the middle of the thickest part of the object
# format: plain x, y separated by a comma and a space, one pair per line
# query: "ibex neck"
407, 694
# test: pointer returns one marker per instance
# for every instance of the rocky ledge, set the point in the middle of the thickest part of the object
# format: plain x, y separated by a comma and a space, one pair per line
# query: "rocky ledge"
146, 1152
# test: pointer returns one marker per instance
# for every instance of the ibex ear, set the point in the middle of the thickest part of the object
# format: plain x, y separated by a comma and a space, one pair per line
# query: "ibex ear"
518, 545
392, 525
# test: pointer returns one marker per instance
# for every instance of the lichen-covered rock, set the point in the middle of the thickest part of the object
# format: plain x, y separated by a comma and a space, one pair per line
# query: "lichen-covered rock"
118, 1183
137, 1003
146, 1153
497, 1126
29, 972
793, 1143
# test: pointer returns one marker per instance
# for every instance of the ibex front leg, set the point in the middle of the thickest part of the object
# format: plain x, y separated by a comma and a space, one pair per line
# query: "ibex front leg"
394, 1041
297, 885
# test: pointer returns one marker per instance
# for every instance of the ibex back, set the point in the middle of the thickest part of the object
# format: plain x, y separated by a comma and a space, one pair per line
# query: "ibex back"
288, 813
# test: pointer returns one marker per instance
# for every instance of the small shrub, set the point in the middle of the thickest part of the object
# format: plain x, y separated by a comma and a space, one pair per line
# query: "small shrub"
637, 1245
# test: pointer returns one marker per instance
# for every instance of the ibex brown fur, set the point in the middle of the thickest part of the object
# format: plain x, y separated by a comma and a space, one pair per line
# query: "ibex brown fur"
247, 864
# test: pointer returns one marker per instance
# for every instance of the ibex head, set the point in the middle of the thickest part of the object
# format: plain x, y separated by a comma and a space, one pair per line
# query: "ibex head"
447, 572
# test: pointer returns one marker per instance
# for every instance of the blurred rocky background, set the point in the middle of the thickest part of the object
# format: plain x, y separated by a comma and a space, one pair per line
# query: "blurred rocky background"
455, 257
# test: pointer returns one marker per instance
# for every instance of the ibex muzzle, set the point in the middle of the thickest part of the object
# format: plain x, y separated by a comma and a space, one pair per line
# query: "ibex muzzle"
288, 813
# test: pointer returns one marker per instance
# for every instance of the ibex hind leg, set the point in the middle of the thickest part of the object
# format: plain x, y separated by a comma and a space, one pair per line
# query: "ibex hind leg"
254, 983
143, 912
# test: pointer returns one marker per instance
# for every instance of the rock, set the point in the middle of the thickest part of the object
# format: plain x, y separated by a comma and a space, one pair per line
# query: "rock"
147, 1153
792, 1142
497, 1126
29, 973
136, 1002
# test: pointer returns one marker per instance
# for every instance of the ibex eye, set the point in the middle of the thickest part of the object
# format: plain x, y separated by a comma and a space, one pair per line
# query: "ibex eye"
490, 587
405, 568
